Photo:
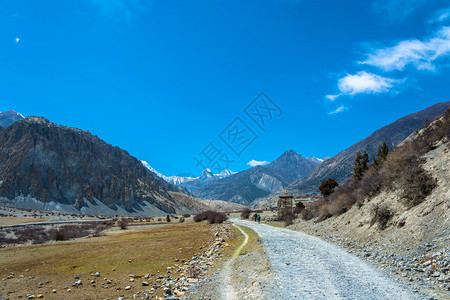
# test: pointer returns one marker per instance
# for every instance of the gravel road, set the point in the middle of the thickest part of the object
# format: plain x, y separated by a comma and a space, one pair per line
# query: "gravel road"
306, 267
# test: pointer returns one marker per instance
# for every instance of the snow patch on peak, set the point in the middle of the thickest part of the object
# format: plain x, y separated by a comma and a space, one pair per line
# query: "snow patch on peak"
314, 159
225, 173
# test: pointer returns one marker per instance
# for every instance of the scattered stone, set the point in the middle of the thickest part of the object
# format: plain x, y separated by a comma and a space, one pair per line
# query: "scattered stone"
128, 287
96, 274
77, 283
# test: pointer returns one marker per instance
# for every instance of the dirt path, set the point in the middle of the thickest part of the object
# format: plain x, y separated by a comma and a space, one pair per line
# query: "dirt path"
227, 289
306, 267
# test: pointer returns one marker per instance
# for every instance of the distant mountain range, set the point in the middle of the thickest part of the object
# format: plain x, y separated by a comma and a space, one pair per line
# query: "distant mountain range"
206, 176
49, 167
246, 186
340, 166
9, 117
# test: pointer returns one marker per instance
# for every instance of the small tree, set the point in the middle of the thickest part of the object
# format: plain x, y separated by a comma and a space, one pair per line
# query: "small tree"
327, 187
361, 165
167, 218
382, 154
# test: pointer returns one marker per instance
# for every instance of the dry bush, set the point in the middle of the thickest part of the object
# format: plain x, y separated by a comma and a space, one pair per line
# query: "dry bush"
60, 235
245, 213
211, 216
381, 214
288, 218
306, 214
123, 223
403, 169
186, 215
323, 211
418, 185
182, 220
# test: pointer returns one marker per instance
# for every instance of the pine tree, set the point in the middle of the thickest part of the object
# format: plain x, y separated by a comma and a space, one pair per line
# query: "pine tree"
382, 154
361, 165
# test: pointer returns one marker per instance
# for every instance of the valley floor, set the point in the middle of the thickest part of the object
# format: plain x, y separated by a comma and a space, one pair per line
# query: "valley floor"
141, 261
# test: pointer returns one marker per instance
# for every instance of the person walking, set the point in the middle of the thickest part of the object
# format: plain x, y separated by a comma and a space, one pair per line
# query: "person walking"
255, 216
259, 218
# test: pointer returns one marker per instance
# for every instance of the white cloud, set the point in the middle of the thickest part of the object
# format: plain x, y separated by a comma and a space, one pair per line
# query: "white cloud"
337, 110
332, 97
441, 16
17, 39
364, 83
421, 54
254, 163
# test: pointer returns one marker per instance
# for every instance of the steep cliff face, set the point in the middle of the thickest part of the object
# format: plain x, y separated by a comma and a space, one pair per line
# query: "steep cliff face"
51, 163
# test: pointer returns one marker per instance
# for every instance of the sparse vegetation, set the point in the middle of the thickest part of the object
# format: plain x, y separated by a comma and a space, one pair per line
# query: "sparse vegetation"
182, 220
245, 213
400, 168
39, 234
212, 217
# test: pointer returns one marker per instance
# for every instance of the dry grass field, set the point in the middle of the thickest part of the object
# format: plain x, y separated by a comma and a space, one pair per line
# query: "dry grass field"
50, 269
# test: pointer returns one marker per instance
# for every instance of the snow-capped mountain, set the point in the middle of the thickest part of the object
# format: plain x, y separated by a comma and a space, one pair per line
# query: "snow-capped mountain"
314, 159
9, 117
206, 175
177, 180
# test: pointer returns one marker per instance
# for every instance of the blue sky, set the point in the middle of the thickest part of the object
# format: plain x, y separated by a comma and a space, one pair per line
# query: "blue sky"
170, 80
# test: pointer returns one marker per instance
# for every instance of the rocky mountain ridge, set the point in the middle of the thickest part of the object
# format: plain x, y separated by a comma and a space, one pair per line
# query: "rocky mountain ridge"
54, 167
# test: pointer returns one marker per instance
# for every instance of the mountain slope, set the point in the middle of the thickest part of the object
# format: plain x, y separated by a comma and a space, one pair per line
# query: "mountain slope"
340, 166
51, 166
246, 186
9, 117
